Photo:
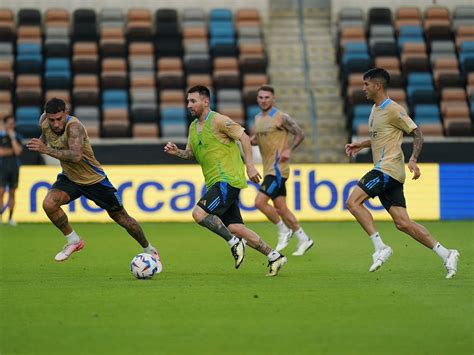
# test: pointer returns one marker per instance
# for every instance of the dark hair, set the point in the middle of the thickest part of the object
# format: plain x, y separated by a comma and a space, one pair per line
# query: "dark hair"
266, 88
201, 89
379, 74
7, 117
55, 105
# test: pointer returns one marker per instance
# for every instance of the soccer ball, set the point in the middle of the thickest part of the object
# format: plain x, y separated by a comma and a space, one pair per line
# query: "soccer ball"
145, 266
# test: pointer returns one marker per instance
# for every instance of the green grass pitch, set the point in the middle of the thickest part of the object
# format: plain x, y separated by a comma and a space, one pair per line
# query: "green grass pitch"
323, 303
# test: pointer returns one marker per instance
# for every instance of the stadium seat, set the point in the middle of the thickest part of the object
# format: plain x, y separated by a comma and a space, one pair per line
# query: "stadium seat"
29, 17
27, 121
84, 25
116, 123
173, 122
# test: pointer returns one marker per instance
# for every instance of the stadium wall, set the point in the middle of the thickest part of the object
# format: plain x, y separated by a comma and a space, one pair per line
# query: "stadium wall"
315, 193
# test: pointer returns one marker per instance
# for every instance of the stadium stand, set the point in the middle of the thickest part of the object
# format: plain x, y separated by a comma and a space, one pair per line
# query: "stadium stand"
125, 72
429, 54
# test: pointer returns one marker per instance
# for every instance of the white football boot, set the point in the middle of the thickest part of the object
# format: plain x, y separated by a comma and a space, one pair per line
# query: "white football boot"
68, 250
283, 239
303, 247
451, 263
380, 257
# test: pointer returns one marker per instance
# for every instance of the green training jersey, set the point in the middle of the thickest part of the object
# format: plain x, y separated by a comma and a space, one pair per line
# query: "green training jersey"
215, 149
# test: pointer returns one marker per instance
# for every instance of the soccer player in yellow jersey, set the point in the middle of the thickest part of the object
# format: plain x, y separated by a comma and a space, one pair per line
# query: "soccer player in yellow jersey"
387, 123
271, 130
212, 142
65, 138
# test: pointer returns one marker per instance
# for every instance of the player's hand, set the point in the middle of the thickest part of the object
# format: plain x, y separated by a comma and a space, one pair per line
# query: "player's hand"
285, 155
171, 148
413, 167
352, 149
37, 145
253, 174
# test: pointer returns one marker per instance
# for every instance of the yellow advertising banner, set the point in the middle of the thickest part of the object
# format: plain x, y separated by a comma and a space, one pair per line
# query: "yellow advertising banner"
169, 193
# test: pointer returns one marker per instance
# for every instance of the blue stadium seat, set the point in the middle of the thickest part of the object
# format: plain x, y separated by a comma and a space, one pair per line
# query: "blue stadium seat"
220, 15
411, 31
362, 111
114, 99
419, 78
27, 121
173, 122
356, 47
57, 73
28, 48
29, 59
219, 29
351, 56
427, 113
467, 47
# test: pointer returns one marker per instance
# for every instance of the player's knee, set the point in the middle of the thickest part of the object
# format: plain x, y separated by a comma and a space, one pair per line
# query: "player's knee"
198, 215
402, 224
49, 205
351, 205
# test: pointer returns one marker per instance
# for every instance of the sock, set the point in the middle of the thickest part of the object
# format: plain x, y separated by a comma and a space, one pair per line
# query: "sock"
377, 241
73, 238
301, 235
273, 255
441, 251
282, 227
149, 249
233, 241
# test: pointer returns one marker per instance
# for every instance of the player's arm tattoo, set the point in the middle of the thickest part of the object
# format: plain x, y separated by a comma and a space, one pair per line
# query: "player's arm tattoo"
291, 126
214, 224
263, 247
185, 154
417, 143
75, 142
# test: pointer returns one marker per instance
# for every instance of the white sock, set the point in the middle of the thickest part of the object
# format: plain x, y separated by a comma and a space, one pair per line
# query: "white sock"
149, 249
441, 251
377, 241
282, 227
233, 241
73, 238
301, 235
273, 255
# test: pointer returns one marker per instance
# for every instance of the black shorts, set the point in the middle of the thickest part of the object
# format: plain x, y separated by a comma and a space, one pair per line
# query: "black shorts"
222, 200
389, 190
9, 177
273, 186
102, 193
